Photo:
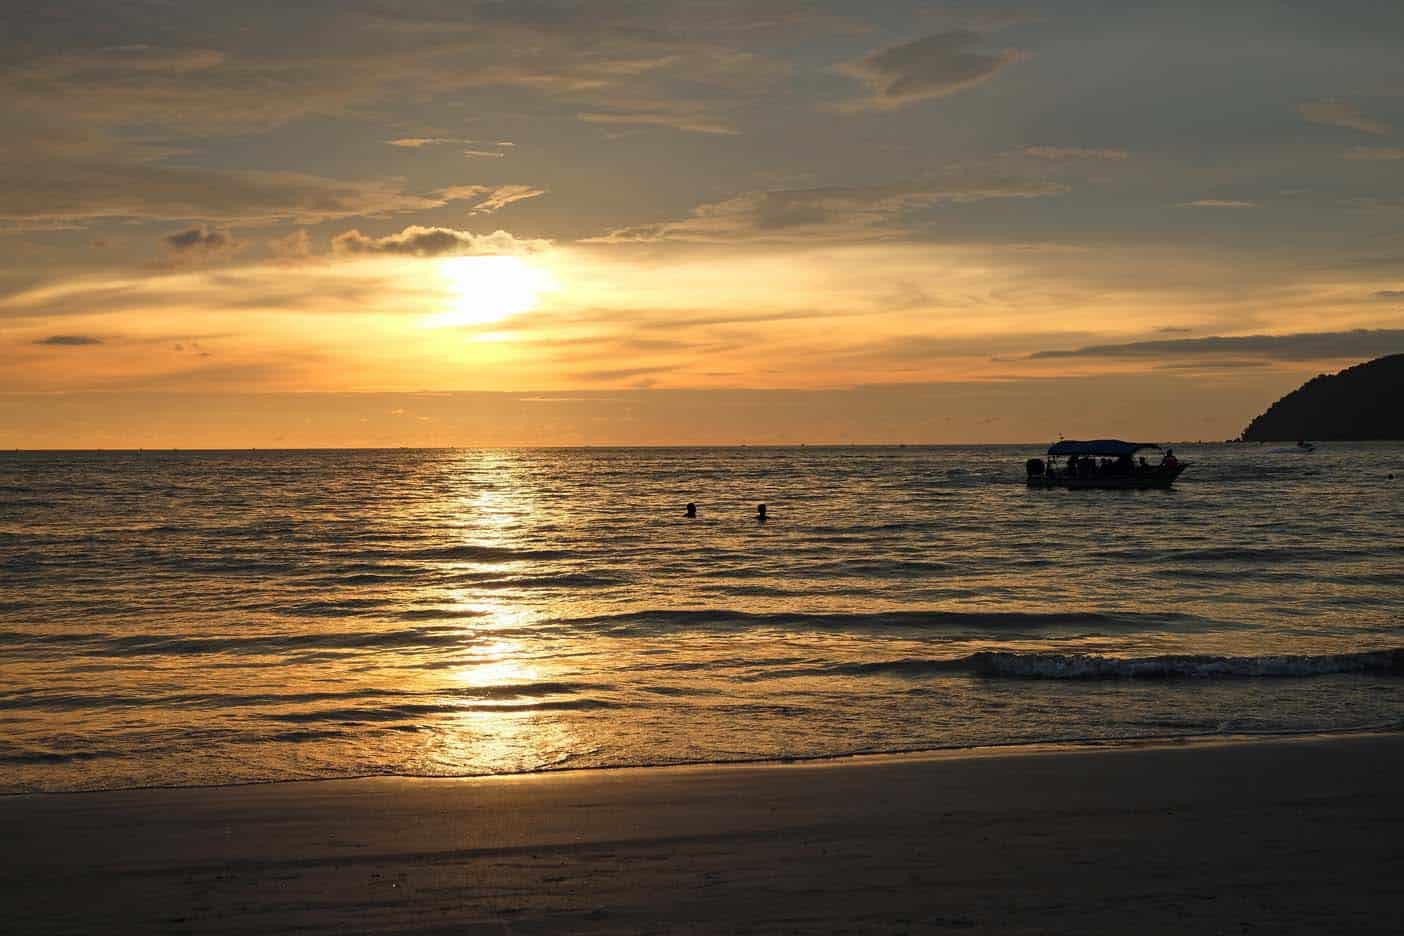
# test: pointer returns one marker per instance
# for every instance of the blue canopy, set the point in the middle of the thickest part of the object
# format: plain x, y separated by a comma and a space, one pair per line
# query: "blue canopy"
1104, 448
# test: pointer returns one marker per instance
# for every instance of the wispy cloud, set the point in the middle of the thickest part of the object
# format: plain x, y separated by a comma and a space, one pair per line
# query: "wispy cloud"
1074, 152
1375, 153
421, 142
1300, 346
1218, 203
925, 69
840, 212
685, 123
49, 191
489, 198
1341, 114
69, 341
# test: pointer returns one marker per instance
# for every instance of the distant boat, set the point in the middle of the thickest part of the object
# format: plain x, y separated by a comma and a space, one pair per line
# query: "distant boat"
1301, 448
1103, 464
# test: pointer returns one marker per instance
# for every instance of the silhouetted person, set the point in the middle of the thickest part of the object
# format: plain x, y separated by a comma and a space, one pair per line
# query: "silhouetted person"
1142, 464
691, 509
1169, 462
760, 513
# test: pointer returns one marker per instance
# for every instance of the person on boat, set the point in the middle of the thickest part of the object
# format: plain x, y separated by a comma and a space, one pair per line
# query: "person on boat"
1142, 464
1169, 462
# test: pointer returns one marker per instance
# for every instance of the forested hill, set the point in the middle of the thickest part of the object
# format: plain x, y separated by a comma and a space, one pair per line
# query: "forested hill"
1361, 402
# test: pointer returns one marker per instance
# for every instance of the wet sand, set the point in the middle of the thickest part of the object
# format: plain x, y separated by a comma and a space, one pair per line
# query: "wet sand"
1303, 835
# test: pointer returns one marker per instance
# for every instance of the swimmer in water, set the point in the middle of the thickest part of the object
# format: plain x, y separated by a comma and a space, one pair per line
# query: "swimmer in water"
691, 509
760, 513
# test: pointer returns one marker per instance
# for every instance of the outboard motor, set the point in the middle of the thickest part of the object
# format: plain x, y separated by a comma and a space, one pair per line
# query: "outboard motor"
1034, 467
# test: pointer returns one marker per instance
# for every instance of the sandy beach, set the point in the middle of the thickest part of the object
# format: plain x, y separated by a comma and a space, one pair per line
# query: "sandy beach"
1299, 835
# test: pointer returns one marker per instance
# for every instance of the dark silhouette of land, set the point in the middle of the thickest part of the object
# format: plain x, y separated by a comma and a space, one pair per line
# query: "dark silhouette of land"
1360, 403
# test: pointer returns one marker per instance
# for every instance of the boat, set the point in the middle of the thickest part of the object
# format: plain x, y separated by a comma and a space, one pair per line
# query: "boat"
1103, 464
1301, 448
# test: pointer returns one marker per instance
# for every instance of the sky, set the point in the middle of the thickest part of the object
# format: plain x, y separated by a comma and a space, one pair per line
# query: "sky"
714, 222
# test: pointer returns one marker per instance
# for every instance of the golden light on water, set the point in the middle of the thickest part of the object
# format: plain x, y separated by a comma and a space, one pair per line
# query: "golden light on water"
482, 290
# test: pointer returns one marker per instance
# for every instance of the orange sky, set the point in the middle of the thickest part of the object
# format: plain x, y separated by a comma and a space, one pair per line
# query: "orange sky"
914, 224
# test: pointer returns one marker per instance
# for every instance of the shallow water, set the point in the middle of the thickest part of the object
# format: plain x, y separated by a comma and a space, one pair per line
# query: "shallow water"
187, 618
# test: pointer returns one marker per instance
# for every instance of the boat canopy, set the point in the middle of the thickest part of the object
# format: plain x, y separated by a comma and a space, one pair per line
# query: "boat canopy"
1102, 448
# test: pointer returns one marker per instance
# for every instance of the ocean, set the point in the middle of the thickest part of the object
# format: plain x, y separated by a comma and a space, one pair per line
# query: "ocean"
188, 618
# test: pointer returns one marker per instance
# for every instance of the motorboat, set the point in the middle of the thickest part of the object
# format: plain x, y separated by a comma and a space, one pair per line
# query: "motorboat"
1103, 464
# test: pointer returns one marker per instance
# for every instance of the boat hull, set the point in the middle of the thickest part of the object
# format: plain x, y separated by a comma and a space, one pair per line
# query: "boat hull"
1144, 481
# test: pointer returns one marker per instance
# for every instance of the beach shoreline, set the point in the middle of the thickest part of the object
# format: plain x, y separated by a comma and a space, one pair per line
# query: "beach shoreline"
1296, 834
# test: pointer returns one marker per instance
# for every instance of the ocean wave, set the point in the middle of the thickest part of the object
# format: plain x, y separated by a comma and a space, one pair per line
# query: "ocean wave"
123, 645
410, 711
44, 699
469, 553
658, 620
1076, 666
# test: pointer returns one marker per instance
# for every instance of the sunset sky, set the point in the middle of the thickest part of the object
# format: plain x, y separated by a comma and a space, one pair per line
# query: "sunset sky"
458, 223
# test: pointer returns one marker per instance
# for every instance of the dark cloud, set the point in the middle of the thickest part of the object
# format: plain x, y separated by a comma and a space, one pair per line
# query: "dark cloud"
198, 239
69, 341
933, 67
1302, 346
417, 241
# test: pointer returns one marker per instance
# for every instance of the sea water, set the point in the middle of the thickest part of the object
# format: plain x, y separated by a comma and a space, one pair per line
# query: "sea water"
174, 618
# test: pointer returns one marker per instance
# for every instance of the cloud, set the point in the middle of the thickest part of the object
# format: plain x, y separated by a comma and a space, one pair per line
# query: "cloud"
1302, 346
932, 67
489, 198
417, 241
1073, 152
326, 60
1341, 114
840, 212
1390, 294
1218, 203
614, 375
295, 246
421, 142
1375, 153
198, 240
675, 121
418, 142
69, 341
63, 191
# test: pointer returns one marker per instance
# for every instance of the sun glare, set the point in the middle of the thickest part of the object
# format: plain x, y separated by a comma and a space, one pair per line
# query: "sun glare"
481, 290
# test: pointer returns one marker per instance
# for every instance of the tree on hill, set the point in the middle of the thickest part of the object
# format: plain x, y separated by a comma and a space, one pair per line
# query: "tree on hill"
1359, 403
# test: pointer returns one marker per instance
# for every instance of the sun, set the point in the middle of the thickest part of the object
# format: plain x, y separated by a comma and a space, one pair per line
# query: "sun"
481, 290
